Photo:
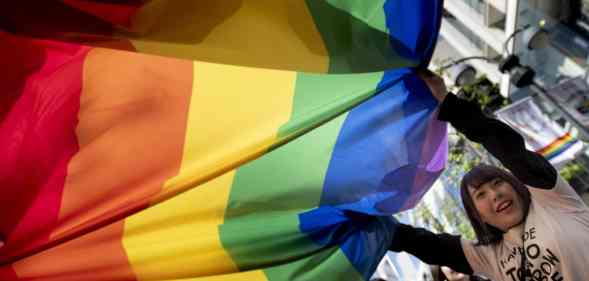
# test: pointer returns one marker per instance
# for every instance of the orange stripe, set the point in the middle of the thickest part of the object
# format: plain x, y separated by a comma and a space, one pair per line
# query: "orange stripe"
97, 256
133, 114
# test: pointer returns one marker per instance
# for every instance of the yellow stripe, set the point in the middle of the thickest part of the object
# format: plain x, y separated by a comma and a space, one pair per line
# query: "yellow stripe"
258, 33
255, 275
179, 237
235, 112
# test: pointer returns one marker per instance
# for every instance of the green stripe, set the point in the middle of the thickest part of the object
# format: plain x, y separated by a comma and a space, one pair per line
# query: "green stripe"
355, 36
288, 178
261, 221
320, 96
371, 12
329, 264
266, 238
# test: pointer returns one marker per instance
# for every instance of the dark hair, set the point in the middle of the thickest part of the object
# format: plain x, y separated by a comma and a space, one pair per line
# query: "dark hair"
479, 175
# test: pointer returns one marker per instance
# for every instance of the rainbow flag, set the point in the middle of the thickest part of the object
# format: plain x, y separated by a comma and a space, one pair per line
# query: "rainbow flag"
334, 36
132, 151
558, 146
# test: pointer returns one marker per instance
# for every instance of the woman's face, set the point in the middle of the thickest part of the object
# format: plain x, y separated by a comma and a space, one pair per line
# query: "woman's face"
498, 204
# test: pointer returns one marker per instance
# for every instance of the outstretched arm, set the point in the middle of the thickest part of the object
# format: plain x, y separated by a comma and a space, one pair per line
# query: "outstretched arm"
503, 142
439, 249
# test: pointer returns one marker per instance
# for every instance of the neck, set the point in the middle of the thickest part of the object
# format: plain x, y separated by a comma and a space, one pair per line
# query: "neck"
514, 233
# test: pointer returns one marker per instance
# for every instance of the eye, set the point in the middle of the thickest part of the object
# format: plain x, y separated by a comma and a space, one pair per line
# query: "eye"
479, 195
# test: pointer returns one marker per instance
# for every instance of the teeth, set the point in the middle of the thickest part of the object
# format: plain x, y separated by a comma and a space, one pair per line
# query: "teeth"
503, 206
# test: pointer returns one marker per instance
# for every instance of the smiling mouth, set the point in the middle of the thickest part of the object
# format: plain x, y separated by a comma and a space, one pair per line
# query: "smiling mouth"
503, 206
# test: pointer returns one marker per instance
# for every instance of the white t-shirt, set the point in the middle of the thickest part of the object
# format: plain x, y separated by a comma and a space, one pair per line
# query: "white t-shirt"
556, 240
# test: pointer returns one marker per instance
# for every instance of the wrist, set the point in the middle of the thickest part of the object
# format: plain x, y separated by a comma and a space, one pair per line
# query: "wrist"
442, 96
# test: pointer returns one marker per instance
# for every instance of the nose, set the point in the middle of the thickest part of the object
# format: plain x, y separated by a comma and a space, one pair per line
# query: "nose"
496, 195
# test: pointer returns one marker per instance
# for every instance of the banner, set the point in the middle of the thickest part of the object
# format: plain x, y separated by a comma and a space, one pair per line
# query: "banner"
540, 133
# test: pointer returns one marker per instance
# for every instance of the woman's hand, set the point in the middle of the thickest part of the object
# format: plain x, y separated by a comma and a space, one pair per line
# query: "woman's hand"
435, 83
452, 275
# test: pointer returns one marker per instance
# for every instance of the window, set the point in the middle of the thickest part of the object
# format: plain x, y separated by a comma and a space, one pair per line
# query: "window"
578, 18
583, 19
571, 35
466, 32
477, 5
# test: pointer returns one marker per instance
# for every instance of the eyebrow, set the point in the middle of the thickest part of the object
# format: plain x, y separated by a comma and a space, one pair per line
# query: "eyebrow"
473, 190
478, 186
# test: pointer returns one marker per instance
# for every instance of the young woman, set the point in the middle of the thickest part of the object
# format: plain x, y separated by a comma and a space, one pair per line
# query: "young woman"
530, 224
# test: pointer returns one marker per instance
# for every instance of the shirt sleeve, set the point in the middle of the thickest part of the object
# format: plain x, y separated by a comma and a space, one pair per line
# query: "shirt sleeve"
503, 142
562, 197
431, 248
479, 257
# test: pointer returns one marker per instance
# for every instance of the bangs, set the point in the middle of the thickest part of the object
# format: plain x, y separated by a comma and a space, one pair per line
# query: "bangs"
482, 174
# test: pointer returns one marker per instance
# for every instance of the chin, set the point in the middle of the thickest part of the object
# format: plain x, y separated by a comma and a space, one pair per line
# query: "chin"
514, 224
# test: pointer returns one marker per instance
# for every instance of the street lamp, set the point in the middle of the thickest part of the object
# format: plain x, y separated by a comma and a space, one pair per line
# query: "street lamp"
462, 73
534, 37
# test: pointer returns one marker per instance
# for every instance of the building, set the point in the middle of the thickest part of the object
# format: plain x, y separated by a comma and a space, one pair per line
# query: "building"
483, 27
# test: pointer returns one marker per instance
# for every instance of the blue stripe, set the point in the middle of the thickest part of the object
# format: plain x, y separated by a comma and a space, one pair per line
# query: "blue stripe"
417, 26
377, 142
377, 154
363, 238
379, 147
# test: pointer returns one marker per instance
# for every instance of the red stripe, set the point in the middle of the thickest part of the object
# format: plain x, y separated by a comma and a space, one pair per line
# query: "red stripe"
7, 273
119, 13
37, 136
50, 19
131, 131
60, 21
557, 142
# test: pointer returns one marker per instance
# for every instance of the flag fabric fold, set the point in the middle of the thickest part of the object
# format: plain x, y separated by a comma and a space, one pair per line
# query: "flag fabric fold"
130, 153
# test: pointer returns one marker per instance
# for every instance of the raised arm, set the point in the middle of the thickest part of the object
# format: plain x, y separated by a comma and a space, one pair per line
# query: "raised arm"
439, 249
503, 142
